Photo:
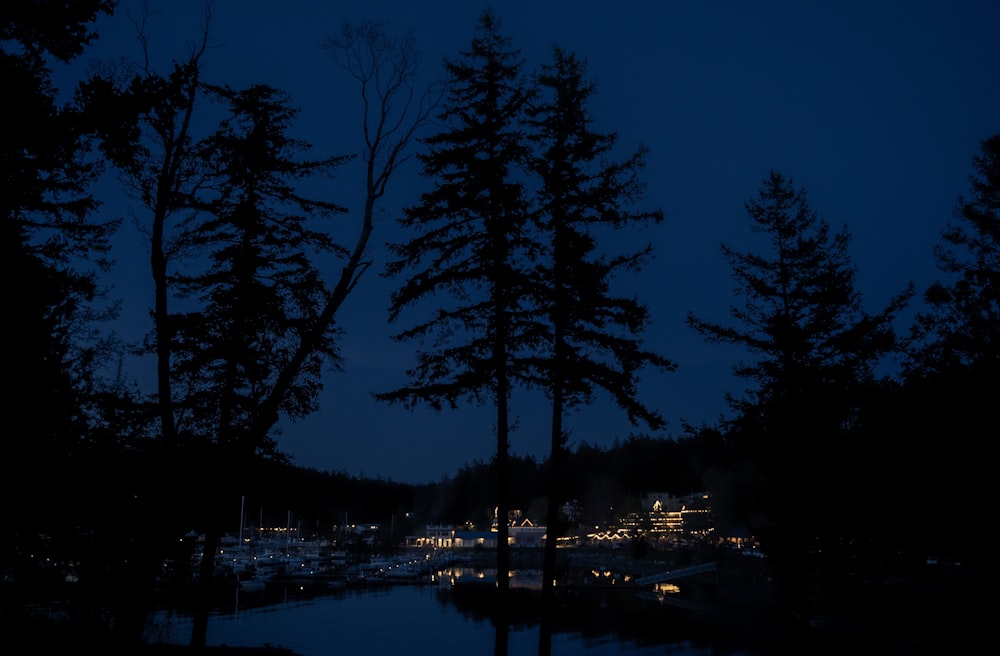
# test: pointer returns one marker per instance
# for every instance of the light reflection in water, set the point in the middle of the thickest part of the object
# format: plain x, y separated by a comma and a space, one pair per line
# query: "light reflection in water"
400, 618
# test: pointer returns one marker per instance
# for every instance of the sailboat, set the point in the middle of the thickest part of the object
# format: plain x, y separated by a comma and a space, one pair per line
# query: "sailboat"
246, 572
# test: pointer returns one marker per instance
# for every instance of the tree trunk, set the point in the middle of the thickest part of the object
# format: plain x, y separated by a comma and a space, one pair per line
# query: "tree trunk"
206, 589
552, 523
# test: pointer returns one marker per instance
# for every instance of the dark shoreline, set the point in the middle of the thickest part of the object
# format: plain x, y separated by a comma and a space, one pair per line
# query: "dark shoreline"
930, 613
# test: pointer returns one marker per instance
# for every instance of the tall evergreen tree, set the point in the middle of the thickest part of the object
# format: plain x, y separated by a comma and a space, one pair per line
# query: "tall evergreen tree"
55, 247
961, 326
261, 288
257, 293
150, 126
473, 244
953, 370
814, 351
593, 342
146, 124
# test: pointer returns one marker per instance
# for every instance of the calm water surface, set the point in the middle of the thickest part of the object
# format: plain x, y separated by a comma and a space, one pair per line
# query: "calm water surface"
414, 619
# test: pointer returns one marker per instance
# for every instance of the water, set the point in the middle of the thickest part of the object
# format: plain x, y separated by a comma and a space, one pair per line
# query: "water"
413, 619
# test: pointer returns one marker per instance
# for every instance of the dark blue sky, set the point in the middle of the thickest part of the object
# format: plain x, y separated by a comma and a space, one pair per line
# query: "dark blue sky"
875, 108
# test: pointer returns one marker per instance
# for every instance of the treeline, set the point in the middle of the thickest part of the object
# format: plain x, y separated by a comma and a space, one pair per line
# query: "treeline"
603, 481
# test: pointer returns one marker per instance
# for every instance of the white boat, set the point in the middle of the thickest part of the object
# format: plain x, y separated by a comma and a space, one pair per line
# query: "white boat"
252, 584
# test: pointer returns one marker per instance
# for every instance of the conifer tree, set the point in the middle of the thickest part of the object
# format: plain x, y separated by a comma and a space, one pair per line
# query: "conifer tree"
54, 243
146, 127
279, 330
472, 244
961, 326
254, 291
55, 246
814, 350
593, 341
952, 375
260, 288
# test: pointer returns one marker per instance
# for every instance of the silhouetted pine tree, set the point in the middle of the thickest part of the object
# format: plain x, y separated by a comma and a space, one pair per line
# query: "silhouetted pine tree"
961, 327
149, 125
255, 291
953, 373
473, 245
54, 246
145, 125
593, 341
258, 288
813, 350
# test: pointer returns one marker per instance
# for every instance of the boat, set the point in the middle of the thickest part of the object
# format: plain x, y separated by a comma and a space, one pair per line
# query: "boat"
251, 584
404, 572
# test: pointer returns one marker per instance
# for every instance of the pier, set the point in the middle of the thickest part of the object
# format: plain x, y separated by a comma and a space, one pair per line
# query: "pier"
672, 574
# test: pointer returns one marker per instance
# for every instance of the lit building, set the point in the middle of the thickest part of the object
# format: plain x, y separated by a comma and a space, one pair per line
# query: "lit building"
664, 514
526, 534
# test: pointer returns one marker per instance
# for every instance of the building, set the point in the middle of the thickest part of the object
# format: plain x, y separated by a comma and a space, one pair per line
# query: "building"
526, 534
438, 536
664, 515
475, 539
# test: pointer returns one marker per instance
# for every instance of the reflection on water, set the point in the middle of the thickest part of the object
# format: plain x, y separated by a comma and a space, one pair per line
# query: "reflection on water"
458, 610
529, 579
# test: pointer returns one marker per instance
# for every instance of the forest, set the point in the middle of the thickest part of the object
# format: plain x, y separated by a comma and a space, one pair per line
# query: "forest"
826, 461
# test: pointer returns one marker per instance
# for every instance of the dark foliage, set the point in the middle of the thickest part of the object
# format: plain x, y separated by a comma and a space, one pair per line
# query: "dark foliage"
593, 334
815, 352
960, 332
258, 290
53, 248
471, 244
947, 407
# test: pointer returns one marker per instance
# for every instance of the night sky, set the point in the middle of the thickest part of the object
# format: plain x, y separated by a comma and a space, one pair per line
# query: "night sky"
875, 108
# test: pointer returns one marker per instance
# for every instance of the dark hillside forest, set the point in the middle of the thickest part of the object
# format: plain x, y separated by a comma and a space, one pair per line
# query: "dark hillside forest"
844, 473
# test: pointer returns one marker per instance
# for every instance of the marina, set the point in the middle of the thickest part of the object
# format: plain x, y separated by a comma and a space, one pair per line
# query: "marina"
404, 618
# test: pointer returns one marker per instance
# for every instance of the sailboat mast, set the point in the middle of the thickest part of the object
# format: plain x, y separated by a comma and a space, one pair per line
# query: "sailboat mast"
242, 502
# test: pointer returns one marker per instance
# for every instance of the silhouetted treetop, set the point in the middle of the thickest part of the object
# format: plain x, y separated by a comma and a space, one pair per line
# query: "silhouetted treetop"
961, 327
